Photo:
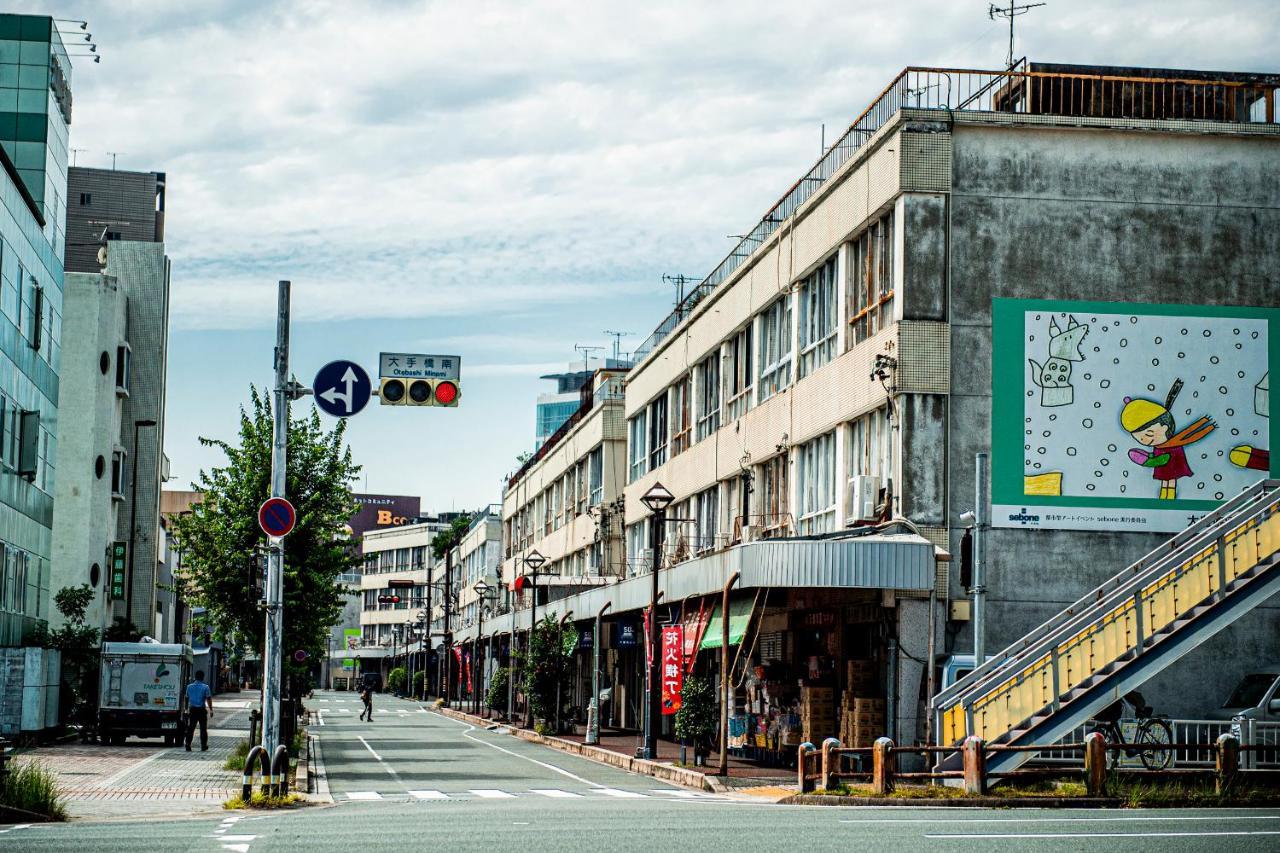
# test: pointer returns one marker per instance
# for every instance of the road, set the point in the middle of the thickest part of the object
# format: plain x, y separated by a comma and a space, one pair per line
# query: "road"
413, 780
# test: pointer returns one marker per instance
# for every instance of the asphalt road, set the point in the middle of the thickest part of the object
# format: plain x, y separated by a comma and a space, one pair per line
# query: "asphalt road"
415, 780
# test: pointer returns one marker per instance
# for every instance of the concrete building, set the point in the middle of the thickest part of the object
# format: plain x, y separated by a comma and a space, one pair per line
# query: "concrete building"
920, 295
107, 204
35, 78
478, 557
111, 436
556, 407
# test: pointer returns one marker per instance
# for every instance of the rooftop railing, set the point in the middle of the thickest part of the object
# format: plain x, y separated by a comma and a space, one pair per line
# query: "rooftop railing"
1022, 90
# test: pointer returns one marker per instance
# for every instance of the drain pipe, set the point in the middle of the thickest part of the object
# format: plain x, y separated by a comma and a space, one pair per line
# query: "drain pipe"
593, 713
726, 678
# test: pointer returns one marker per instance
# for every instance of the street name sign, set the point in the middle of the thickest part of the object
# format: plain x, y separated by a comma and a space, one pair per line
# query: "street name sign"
413, 365
277, 517
342, 388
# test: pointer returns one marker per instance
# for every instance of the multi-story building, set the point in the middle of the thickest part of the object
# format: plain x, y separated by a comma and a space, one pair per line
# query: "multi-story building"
563, 503
400, 554
109, 204
556, 407
1040, 264
35, 78
111, 436
478, 557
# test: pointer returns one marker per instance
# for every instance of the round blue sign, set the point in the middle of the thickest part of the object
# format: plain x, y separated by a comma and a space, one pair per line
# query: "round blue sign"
342, 388
276, 517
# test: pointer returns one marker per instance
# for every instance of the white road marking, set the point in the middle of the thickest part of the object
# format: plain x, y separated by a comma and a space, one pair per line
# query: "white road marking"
492, 794
428, 795
1111, 834
1152, 818
614, 792
234, 837
363, 795
238, 848
560, 770
554, 794
684, 795
366, 746
320, 716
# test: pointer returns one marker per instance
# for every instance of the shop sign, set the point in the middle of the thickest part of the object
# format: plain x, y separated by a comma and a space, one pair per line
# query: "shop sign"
586, 638
817, 619
625, 638
672, 667
119, 558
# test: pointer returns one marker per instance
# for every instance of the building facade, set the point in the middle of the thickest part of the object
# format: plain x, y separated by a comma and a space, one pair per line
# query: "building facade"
478, 558
109, 204
35, 79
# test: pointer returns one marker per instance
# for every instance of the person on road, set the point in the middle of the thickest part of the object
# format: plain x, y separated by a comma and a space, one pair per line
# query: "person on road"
366, 696
199, 704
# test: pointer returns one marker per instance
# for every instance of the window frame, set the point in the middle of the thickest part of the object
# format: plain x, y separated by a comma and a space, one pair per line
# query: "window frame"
870, 279
739, 379
818, 320
658, 432
681, 415
707, 396
638, 444
775, 355
816, 485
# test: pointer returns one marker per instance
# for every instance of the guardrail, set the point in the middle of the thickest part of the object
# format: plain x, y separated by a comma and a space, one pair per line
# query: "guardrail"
827, 767
1199, 735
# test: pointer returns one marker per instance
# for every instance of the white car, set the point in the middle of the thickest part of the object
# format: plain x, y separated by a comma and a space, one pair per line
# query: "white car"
1257, 697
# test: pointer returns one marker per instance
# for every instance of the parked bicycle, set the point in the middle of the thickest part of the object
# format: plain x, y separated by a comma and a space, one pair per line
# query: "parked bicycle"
1151, 730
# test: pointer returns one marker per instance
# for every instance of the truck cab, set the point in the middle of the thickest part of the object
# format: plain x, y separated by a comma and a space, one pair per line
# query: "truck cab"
142, 691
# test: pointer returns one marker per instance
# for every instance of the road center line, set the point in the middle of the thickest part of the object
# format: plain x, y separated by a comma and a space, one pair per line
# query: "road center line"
1111, 834
562, 771
1152, 818
366, 746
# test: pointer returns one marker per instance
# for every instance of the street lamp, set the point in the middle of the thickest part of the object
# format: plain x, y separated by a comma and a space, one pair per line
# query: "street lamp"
408, 655
484, 592
657, 499
532, 561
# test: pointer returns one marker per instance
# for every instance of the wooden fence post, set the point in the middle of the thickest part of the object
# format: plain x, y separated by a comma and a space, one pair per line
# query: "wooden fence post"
1227, 762
829, 768
975, 765
802, 764
1095, 764
882, 767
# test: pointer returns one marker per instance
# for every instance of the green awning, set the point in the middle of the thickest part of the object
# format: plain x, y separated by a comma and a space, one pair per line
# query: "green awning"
739, 615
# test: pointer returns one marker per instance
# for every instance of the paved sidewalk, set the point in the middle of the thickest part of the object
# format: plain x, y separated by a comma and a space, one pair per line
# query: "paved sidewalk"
143, 777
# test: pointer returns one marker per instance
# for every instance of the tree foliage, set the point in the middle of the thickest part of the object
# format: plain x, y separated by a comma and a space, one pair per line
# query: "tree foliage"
549, 656
446, 539
219, 536
698, 717
78, 643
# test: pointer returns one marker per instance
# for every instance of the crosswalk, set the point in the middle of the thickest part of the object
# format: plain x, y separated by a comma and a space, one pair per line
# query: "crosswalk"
601, 795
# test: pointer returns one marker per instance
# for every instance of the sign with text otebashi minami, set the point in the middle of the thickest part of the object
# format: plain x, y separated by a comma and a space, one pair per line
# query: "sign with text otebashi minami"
419, 379
410, 365
1127, 416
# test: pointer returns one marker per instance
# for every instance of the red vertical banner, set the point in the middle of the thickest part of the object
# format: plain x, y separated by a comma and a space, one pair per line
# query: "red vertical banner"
672, 667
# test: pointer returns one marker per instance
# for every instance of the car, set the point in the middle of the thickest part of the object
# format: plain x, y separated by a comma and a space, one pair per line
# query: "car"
1256, 697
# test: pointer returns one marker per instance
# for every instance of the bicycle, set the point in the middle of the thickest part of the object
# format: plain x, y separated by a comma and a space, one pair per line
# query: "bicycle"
1151, 730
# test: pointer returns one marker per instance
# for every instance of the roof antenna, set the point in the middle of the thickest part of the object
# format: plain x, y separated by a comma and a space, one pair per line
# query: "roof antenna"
617, 342
1014, 10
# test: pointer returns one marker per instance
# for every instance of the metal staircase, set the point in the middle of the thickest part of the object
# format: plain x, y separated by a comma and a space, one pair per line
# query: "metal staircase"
1120, 634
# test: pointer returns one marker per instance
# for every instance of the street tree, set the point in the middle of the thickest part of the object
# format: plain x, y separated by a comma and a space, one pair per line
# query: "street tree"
449, 537
219, 537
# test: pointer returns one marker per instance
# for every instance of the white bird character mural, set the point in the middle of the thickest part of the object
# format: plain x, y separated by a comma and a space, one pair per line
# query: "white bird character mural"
1054, 376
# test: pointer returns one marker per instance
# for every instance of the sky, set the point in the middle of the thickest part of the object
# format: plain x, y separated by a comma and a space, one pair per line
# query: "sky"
503, 180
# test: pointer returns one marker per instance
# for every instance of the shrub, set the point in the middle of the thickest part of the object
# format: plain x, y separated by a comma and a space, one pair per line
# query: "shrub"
235, 761
698, 716
396, 679
496, 696
32, 787
419, 678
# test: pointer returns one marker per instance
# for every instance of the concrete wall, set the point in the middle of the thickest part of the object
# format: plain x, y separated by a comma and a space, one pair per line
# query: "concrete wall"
1101, 214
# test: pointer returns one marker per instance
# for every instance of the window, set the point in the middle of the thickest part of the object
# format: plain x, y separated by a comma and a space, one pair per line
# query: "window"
707, 513
553, 519
122, 370
29, 445
681, 420
658, 432
86, 199
595, 466
37, 316
775, 348
113, 235
775, 516
547, 515
117, 474
15, 310
818, 317
707, 389
595, 559
816, 485
638, 556
738, 376
870, 445
637, 446
871, 280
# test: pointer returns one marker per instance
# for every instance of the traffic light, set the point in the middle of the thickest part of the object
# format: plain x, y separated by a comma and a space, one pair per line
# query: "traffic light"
392, 392
419, 392
388, 599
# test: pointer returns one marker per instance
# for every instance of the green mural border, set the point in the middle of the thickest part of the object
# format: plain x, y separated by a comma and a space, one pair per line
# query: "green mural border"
1007, 381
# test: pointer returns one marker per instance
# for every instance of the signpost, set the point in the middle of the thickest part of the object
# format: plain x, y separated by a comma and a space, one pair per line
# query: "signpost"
277, 517
342, 389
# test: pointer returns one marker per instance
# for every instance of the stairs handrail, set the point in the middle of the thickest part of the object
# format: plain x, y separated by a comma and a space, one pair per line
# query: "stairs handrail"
1069, 620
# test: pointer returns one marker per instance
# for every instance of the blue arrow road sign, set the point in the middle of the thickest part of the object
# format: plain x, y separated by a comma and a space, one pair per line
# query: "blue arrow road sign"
342, 388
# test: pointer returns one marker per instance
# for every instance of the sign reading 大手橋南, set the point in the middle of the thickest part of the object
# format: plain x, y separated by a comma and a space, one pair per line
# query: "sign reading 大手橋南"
409, 365
1126, 416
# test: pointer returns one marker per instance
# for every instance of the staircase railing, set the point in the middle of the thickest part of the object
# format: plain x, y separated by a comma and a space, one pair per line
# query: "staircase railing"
1114, 619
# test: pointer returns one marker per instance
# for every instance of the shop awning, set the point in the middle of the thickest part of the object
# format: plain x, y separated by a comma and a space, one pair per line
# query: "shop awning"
739, 615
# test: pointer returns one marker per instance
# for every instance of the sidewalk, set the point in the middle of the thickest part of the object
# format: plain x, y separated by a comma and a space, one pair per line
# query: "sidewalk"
146, 778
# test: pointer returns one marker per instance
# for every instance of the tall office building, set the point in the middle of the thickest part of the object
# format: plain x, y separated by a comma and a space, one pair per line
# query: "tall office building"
35, 113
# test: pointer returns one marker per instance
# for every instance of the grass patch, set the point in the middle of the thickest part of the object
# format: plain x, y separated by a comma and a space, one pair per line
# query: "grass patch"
1146, 794
1043, 788
32, 787
235, 761
263, 801
902, 792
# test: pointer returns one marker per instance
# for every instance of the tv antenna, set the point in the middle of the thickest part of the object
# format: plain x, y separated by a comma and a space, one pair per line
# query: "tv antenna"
680, 281
75, 152
1013, 11
617, 342
586, 355
114, 155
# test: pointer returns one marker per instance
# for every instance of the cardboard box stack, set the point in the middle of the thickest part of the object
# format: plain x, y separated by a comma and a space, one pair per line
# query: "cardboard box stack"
818, 713
862, 711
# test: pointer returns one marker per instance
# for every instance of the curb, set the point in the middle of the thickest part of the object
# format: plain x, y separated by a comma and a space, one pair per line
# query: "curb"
678, 775
958, 802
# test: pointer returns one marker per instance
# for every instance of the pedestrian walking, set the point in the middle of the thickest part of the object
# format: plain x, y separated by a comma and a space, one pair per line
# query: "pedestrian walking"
199, 704
366, 696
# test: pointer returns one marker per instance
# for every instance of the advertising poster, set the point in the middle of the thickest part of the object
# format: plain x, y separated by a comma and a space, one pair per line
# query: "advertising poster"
1125, 416
672, 667
351, 642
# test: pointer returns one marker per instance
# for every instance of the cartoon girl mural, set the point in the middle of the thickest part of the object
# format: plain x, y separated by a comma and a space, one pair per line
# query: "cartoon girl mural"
1151, 425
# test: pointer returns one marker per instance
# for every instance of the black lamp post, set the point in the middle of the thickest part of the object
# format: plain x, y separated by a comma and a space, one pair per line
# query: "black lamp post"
485, 594
532, 561
657, 499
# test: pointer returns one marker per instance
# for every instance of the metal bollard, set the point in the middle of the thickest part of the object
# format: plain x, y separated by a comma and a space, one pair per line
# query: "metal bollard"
882, 767
257, 755
829, 768
280, 771
255, 726
802, 762
975, 765
1227, 762
1095, 764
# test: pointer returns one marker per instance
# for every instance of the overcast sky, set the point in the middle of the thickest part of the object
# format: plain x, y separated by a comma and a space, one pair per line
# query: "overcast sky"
503, 180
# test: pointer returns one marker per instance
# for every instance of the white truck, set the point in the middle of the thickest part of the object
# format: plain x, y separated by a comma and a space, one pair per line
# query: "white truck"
143, 691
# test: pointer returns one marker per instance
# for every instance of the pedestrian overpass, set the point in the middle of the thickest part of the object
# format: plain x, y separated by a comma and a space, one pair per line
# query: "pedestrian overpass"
1120, 634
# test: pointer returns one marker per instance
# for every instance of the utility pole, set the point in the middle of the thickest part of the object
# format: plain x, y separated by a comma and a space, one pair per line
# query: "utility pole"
426, 633
994, 11
271, 662
448, 636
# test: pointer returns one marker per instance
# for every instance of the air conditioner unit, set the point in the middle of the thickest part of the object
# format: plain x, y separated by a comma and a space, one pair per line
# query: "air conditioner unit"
864, 494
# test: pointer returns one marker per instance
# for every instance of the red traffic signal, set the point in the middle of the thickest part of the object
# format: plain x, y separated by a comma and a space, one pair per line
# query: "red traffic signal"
446, 393
388, 599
